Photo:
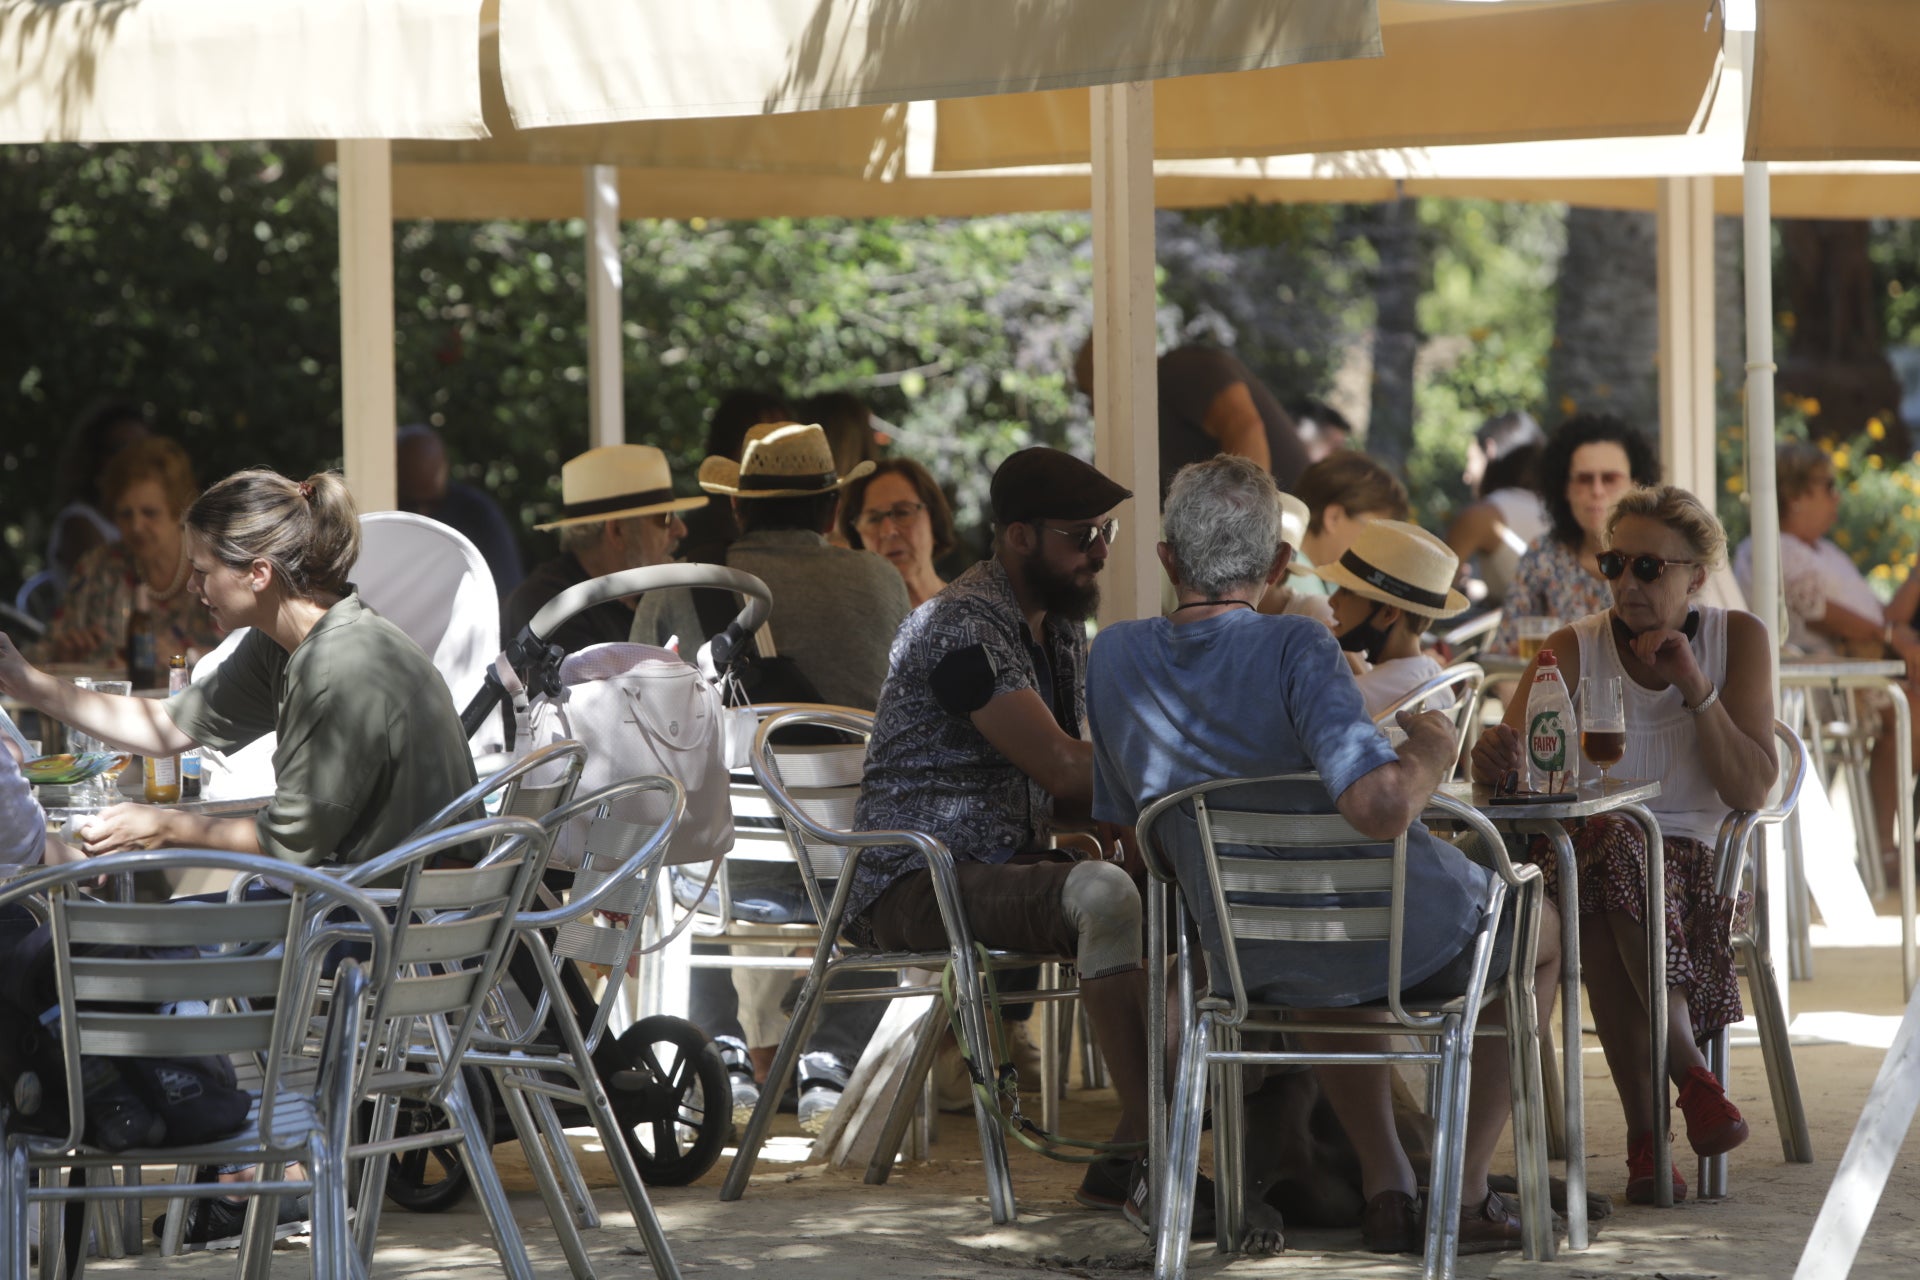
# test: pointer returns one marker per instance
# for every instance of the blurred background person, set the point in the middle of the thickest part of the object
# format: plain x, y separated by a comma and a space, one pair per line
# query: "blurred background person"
1590, 463
1509, 516
1323, 429
899, 513
84, 521
426, 488
1342, 492
148, 487
711, 529
850, 434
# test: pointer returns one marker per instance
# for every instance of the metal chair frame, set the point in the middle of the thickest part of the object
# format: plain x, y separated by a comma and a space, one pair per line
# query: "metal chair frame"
265, 949
522, 793
1467, 640
1213, 1024
1465, 681
826, 854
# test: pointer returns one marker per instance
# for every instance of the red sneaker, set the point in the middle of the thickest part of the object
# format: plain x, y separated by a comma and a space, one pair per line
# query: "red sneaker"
1640, 1185
1714, 1126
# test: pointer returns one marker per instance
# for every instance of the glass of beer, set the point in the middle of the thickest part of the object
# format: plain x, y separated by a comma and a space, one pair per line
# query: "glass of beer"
1533, 633
1603, 723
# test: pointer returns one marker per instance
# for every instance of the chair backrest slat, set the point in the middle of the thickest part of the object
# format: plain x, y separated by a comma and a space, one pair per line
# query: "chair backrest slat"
147, 981
447, 942
165, 1035
425, 994
457, 888
1315, 876
177, 924
1287, 830
1255, 923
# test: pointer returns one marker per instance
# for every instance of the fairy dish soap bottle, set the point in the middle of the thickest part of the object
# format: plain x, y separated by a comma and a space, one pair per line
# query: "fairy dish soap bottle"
1553, 740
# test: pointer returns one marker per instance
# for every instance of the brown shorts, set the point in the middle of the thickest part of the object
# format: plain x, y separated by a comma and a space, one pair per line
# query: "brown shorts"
1010, 906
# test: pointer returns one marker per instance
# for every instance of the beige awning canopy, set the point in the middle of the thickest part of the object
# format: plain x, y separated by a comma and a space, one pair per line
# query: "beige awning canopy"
218, 70
574, 62
1837, 80
1452, 74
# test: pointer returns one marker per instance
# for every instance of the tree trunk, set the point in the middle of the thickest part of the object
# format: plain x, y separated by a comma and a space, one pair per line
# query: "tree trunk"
1835, 355
1396, 332
1607, 320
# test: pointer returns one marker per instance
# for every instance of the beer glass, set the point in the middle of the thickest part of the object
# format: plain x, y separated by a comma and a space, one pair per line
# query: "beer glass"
1603, 723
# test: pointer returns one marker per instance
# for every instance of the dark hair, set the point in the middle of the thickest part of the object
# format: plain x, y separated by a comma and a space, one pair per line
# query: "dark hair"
84, 456
1506, 432
939, 510
1321, 414
307, 530
737, 412
1796, 464
1556, 464
155, 458
1514, 469
814, 512
1361, 486
848, 425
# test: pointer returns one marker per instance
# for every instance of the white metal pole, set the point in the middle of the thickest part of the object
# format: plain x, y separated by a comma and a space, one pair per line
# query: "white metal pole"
368, 411
1687, 418
606, 387
1126, 397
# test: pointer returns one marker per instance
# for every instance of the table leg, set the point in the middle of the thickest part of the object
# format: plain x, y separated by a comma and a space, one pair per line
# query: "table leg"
1574, 1087
1903, 756
1656, 920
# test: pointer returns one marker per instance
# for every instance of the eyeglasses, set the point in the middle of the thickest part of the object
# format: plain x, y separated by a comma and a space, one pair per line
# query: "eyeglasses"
1645, 568
900, 513
1083, 537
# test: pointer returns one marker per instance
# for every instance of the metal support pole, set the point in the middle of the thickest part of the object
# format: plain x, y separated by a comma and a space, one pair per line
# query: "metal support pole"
368, 414
606, 387
1685, 254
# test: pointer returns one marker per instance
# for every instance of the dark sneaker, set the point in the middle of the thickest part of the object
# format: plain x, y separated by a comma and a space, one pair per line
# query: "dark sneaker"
1391, 1224
1140, 1212
1105, 1186
217, 1223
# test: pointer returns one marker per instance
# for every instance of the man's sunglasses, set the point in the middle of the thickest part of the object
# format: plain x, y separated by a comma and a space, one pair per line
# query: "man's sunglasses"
1645, 568
1083, 537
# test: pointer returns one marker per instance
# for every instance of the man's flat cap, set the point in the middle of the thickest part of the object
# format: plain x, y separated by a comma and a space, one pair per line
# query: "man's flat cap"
1046, 484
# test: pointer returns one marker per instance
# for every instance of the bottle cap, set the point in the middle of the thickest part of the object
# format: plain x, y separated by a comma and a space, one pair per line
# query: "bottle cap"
1548, 658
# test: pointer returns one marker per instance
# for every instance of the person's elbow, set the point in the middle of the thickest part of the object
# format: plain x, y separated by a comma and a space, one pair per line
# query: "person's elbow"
1376, 806
1068, 773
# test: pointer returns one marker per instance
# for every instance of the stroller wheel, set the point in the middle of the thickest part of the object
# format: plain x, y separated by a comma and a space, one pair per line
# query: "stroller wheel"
670, 1090
433, 1179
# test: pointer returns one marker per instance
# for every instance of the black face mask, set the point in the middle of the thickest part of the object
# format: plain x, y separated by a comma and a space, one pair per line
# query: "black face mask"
1364, 637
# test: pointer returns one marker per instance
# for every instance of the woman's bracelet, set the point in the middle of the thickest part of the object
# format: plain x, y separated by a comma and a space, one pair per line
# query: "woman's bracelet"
1713, 696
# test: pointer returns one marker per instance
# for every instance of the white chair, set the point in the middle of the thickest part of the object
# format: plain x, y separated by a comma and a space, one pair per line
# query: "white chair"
1261, 882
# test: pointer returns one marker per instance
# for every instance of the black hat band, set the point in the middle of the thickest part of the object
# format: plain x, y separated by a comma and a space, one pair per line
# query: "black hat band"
623, 502
811, 480
1384, 581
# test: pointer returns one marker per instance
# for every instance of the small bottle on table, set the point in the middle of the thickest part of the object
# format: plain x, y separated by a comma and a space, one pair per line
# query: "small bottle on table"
163, 772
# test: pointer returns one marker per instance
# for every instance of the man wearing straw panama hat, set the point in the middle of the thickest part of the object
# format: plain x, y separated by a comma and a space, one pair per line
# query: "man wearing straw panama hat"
618, 511
1394, 582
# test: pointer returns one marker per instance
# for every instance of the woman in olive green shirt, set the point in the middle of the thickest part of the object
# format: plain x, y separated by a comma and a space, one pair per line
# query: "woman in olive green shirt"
369, 742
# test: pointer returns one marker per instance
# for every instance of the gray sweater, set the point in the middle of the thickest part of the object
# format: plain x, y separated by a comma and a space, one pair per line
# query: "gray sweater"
834, 611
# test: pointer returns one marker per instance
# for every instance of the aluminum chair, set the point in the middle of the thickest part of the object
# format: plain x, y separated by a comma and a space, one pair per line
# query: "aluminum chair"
619, 876
452, 930
531, 786
815, 789
265, 949
1261, 881
1469, 639
1736, 865
1462, 681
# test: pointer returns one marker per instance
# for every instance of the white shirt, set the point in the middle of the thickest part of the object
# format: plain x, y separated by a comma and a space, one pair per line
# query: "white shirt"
23, 823
1812, 576
1385, 683
1525, 516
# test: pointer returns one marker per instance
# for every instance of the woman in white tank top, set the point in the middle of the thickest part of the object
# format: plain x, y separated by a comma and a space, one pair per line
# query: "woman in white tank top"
1696, 684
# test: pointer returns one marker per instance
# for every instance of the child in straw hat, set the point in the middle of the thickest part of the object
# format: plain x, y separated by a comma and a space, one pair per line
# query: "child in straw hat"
1393, 583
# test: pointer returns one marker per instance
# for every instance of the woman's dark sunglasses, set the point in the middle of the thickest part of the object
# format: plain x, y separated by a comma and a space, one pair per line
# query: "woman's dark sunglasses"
1645, 568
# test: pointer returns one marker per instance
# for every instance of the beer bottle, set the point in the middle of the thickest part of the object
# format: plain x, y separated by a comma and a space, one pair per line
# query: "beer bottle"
178, 677
143, 666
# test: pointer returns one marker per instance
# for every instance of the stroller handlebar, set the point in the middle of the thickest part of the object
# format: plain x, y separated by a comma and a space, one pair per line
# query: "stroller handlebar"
628, 582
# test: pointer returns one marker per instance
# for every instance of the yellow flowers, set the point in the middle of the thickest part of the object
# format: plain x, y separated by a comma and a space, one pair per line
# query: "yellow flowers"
1736, 483
1876, 429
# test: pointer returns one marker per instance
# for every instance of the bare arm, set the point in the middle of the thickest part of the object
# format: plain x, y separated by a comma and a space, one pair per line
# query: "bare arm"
132, 724
1475, 531
1736, 732
1384, 803
1021, 728
145, 826
1843, 623
1233, 421
1498, 752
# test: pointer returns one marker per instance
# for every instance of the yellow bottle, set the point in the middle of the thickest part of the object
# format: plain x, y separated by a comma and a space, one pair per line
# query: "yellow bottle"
163, 772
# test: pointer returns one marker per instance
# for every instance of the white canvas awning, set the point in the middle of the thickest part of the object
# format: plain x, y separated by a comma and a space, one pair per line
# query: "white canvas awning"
1836, 80
219, 70
572, 62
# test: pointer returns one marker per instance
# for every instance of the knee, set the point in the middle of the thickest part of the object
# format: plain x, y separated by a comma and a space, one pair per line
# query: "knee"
1103, 907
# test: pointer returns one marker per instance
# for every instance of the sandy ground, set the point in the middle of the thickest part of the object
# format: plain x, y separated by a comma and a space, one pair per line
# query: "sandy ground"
806, 1222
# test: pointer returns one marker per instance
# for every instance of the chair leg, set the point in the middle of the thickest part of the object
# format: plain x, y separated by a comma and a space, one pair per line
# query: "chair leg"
1229, 1146
175, 1234
652, 1238
13, 1210
1156, 894
566, 1168
1050, 1027
1525, 1077
1449, 1150
1776, 1050
1553, 1094
256, 1238
805, 1013
1173, 1181
562, 1213
373, 1180
993, 1143
486, 1182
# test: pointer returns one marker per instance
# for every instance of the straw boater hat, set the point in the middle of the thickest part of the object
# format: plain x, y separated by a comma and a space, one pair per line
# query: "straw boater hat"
613, 483
1402, 565
1294, 517
781, 460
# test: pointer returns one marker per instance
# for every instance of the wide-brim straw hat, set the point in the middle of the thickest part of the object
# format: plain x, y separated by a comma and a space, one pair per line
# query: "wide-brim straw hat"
616, 482
780, 460
1294, 518
1402, 565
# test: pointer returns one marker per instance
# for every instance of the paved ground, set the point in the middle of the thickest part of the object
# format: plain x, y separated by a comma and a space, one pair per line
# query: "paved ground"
804, 1222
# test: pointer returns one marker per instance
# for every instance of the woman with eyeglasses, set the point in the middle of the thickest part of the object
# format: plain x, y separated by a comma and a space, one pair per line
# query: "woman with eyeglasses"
1590, 462
1696, 686
898, 512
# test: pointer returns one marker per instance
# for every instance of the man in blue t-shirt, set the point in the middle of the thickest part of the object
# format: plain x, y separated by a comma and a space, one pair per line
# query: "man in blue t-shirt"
1219, 690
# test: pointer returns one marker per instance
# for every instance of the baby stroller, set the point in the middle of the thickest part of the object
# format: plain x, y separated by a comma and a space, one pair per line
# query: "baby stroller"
660, 1072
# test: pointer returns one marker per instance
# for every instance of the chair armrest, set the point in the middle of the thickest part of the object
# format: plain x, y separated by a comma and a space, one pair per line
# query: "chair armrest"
1453, 809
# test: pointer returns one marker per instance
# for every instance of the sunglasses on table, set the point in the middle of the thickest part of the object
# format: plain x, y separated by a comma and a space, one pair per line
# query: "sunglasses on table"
1645, 568
899, 513
1082, 537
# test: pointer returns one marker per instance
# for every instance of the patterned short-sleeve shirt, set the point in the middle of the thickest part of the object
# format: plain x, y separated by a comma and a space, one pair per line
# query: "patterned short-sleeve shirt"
928, 768
1551, 582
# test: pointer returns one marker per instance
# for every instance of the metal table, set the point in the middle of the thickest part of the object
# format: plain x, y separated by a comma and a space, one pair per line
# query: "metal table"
1802, 674
1627, 797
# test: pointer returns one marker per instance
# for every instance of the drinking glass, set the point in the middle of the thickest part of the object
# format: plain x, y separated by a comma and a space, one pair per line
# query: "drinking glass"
104, 788
1533, 633
1603, 723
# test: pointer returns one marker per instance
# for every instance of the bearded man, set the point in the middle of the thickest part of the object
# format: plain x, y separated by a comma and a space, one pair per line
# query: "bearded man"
977, 742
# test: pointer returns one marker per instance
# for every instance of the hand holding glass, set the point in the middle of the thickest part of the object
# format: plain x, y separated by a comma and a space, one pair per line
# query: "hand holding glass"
1603, 723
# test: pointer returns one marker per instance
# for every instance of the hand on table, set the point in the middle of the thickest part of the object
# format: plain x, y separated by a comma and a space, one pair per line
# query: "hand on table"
1670, 656
78, 644
122, 827
1498, 753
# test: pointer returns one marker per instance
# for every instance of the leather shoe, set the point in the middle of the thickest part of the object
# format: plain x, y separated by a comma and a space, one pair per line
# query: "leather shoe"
1491, 1226
1391, 1224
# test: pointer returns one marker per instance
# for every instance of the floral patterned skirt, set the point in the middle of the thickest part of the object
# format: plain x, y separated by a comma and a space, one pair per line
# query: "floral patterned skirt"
1611, 854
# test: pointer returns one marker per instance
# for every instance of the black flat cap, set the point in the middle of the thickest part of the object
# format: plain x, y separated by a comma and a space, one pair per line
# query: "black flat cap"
1046, 484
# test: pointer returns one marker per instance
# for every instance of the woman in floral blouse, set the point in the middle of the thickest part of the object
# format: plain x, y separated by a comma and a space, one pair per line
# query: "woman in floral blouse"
148, 488
1590, 464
